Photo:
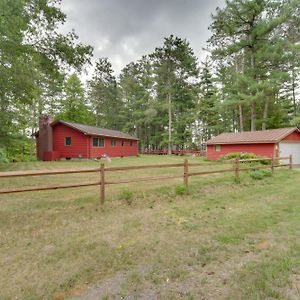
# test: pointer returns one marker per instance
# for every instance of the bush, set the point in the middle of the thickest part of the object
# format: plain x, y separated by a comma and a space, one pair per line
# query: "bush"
127, 196
242, 155
180, 189
260, 174
3, 156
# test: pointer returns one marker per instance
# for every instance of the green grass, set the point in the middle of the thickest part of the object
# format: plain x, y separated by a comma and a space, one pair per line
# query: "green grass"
222, 240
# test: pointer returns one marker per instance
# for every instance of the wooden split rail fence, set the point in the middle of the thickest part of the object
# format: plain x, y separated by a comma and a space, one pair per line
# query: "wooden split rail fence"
175, 152
103, 182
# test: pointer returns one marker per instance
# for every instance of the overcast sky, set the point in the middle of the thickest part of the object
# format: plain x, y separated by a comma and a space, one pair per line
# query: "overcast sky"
124, 30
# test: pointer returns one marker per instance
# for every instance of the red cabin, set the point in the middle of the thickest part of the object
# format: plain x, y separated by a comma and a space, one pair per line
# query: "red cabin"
275, 142
61, 139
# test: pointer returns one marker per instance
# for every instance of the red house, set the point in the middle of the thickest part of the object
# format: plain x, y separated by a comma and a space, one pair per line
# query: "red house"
60, 139
279, 142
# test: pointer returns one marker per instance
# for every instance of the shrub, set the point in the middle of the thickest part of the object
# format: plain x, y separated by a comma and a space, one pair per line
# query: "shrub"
180, 189
242, 155
260, 174
127, 196
3, 156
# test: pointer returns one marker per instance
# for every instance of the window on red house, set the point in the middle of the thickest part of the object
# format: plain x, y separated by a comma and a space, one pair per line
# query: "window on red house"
131, 143
68, 141
113, 142
217, 148
122, 143
98, 142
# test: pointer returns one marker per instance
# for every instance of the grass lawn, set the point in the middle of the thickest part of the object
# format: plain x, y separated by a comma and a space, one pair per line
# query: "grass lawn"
222, 241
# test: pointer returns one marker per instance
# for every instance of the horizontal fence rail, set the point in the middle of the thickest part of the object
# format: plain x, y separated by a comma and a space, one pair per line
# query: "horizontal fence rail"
174, 152
46, 172
237, 167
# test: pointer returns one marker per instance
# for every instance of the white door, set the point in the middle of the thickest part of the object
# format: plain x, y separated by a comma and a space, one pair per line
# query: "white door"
286, 149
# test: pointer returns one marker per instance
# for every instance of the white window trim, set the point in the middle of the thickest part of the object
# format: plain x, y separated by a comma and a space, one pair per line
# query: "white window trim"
98, 139
217, 148
66, 141
111, 139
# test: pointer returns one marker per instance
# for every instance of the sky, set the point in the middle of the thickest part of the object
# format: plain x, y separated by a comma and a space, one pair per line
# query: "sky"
124, 30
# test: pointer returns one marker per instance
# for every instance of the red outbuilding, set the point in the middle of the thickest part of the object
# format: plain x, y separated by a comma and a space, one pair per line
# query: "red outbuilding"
269, 143
61, 139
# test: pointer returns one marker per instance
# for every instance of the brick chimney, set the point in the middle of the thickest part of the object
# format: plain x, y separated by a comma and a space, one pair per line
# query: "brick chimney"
45, 139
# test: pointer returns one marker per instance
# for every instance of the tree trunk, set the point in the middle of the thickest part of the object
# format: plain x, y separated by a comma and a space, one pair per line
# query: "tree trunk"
241, 117
265, 114
253, 103
293, 91
170, 124
253, 116
239, 68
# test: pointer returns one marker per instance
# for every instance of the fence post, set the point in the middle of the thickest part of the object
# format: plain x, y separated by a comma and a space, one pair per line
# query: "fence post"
102, 184
291, 162
186, 175
273, 163
237, 169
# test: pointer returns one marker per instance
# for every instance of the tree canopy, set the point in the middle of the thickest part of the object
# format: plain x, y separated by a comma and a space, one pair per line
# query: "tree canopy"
167, 98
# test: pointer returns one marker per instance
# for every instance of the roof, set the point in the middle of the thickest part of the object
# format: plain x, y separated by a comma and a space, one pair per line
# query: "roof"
93, 130
252, 137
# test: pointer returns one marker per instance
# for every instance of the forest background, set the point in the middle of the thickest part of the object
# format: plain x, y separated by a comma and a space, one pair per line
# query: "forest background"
168, 99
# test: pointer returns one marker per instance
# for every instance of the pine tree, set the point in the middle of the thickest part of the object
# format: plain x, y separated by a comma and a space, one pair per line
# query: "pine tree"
136, 86
74, 106
247, 30
103, 95
208, 117
175, 68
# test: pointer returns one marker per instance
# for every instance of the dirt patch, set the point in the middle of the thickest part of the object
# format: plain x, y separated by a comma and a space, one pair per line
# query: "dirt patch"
111, 285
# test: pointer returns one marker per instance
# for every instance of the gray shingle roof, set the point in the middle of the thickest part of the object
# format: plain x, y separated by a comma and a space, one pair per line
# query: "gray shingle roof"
93, 130
252, 137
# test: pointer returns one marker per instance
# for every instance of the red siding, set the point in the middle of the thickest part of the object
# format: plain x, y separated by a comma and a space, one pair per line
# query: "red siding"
115, 151
79, 142
259, 149
295, 136
82, 145
51, 155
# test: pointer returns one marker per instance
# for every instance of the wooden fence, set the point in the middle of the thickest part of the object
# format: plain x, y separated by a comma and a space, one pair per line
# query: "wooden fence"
237, 168
174, 152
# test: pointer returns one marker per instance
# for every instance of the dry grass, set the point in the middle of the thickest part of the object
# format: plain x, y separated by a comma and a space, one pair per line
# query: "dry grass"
223, 240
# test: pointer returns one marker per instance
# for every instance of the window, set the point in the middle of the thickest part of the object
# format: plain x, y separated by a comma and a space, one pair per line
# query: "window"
131, 143
98, 142
217, 148
113, 142
122, 143
68, 141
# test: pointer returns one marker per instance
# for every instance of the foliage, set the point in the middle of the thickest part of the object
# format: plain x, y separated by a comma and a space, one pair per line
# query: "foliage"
103, 95
208, 107
246, 155
126, 195
250, 45
34, 57
180, 189
260, 174
249, 80
175, 71
3, 156
74, 106
241, 155
140, 110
